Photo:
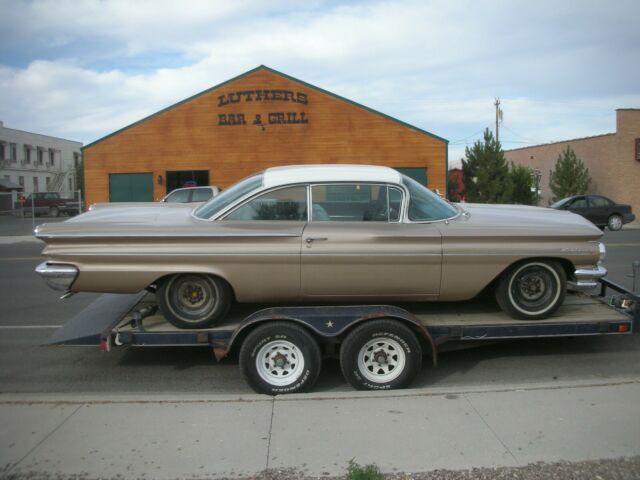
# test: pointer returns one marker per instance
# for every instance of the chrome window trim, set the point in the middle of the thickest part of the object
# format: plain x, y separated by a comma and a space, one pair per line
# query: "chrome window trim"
403, 191
251, 196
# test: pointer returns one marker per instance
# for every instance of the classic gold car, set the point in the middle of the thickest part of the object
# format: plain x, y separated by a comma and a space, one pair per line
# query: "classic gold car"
324, 233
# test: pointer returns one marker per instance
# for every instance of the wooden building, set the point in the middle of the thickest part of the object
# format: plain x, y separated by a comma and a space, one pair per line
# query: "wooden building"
257, 120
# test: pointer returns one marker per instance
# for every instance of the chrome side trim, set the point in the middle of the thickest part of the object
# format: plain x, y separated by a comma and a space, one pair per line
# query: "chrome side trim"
170, 235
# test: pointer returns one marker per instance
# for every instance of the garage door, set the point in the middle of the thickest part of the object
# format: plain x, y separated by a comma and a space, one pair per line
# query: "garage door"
131, 187
418, 174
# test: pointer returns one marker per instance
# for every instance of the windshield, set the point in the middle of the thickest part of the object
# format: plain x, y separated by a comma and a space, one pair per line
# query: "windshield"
229, 196
560, 203
424, 205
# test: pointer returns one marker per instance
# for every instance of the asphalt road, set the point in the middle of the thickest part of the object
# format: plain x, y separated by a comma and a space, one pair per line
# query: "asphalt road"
30, 312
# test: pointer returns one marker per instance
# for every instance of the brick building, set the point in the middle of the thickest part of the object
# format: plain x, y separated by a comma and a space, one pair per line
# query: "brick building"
613, 160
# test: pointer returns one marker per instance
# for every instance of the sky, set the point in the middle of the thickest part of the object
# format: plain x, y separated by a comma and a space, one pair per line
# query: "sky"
83, 69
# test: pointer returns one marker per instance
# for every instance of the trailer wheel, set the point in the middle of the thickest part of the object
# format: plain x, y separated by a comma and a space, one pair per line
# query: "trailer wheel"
532, 290
380, 354
193, 300
280, 357
54, 211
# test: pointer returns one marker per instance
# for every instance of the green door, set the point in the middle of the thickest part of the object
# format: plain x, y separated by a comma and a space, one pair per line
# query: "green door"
131, 187
418, 174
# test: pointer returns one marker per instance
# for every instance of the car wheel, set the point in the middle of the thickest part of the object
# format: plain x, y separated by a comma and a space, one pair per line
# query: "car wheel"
194, 300
280, 357
379, 355
615, 222
532, 290
54, 212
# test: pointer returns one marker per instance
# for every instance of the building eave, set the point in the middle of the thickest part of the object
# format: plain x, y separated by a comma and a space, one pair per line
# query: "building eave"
245, 74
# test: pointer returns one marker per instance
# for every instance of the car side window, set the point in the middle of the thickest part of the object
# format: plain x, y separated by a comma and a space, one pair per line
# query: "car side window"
599, 202
201, 194
179, 196
284, 204
353, 203
579, 203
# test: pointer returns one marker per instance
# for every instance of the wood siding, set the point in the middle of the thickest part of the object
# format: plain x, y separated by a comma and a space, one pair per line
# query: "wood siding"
190, 136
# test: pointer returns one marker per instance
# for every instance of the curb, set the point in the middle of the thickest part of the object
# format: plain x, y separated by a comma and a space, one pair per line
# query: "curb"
160, 398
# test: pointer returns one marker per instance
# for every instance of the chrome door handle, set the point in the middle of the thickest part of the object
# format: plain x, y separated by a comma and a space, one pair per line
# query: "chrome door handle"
310, 240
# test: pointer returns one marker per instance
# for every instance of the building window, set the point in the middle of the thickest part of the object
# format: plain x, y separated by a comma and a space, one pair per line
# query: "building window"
70, 184
27, 154
13, 152
40, 156
35, 184
76, 160
51, 157
2, 151
48, 182
638, 149
21, 181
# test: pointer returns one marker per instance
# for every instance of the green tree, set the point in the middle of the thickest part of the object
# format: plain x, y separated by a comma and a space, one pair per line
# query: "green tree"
522, 181
569, 176
486, 172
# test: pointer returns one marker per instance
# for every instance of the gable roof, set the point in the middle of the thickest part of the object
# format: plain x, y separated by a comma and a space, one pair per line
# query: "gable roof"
288, 77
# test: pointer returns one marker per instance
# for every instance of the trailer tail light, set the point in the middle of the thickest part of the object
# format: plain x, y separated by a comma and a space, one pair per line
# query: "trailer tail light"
105, 345
623, 327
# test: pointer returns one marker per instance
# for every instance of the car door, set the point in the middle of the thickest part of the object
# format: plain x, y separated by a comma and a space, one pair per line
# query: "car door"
355, 246
257, 248
600, 209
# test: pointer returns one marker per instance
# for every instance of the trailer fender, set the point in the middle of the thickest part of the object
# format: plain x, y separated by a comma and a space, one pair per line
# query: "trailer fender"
327, 322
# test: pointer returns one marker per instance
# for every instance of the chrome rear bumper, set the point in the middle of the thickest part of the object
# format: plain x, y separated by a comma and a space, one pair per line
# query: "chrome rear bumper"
586, 278
58, 276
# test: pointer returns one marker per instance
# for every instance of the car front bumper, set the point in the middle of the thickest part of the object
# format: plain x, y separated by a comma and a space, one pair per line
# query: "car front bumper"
58, 276
586, 278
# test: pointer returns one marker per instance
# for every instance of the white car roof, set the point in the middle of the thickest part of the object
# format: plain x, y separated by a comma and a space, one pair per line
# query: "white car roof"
276, 176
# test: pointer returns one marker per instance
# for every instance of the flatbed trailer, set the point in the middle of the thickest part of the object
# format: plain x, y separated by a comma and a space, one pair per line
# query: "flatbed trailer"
280, 348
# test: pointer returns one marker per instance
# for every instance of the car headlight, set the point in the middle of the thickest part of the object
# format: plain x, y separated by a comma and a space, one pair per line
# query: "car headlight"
603, 252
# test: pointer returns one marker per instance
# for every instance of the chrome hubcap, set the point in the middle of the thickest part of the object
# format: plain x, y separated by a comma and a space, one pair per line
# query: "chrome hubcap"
615, 223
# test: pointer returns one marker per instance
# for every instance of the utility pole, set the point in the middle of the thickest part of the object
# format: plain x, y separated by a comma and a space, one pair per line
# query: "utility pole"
498, 118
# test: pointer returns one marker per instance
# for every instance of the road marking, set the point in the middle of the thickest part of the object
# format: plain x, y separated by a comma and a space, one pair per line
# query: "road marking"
24, 327
11, 259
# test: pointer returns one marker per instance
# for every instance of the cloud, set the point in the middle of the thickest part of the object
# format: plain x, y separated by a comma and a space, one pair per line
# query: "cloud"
85, 69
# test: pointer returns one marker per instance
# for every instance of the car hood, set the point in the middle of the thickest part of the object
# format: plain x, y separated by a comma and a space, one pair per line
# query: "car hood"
521, 220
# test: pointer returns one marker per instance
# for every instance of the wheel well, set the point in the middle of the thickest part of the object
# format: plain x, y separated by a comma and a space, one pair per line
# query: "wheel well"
158, 281
567, 266
239, 338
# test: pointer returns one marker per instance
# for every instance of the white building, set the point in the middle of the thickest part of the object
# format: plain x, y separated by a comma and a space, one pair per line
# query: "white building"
39, 163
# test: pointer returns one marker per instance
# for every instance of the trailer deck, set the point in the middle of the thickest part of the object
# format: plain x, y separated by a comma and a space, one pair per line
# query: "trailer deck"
133, 320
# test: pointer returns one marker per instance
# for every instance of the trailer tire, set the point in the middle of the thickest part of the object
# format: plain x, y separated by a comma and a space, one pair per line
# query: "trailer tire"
280, 357
380, 355
193, 300
532, 290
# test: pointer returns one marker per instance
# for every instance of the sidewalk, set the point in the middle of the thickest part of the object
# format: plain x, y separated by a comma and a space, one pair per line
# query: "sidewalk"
158, 436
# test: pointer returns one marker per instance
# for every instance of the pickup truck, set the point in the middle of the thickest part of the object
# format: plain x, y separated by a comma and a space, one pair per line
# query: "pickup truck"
47, 203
